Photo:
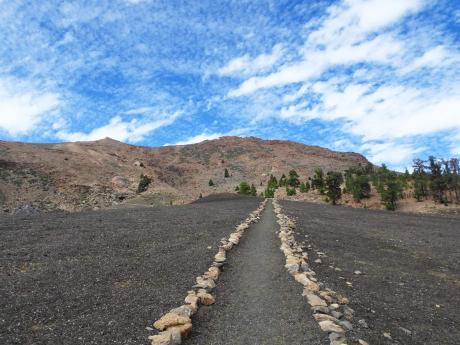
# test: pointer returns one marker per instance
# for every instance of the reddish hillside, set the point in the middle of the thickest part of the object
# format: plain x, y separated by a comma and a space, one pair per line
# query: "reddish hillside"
104, 173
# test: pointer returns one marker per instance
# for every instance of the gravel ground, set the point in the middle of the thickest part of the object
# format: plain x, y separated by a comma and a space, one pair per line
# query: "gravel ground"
410, 263
257, 302
102, 277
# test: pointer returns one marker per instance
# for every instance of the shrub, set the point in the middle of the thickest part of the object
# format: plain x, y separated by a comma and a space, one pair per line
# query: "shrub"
211, 183
304, 187
244, 188
290, 191
253, 190
143, 183
226, 174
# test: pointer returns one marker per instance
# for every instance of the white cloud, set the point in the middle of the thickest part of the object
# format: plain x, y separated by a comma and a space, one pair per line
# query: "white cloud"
199, 138
23, 107
390, 153
342, 39
244, 65
141, 110
381, 113
438, 56
131, 131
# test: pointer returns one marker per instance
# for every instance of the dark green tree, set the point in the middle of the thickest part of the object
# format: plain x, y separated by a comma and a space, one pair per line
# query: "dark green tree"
272, 185
455, 183
253, 190
359, 186
211, 183
293, 179
317, 182
420, 178
390, 190
282, 181
272, 182
143, 183
333, 182
226, 174
438, 184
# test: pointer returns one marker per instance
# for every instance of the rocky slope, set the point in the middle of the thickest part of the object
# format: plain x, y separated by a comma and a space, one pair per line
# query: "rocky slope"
105, 173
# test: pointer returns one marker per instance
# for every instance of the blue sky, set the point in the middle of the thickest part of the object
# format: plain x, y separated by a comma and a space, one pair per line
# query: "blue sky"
377, 77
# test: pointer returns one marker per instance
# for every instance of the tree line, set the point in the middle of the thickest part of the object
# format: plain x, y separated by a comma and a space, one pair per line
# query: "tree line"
436, 179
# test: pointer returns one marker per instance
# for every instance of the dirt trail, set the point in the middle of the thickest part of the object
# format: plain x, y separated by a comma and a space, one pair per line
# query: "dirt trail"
257, 301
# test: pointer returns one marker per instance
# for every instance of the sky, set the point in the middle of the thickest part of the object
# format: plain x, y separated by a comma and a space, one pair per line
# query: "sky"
378, 77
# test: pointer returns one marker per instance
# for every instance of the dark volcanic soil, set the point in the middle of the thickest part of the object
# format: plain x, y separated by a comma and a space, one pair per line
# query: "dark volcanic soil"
411, 265
257, 301
102, 277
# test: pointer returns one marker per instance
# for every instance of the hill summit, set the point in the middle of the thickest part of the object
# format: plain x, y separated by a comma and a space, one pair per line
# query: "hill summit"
105, 173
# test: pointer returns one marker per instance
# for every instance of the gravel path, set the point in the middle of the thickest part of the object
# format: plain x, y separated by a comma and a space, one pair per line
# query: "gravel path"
102, 277
410, 265
257, 302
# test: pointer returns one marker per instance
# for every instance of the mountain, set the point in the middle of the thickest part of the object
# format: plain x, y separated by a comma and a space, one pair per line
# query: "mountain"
106, 173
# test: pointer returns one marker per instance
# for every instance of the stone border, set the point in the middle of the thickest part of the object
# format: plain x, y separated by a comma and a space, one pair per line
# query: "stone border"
176, 325
330, 309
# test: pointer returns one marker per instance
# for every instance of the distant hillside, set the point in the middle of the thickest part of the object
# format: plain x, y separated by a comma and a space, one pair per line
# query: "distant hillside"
106, 173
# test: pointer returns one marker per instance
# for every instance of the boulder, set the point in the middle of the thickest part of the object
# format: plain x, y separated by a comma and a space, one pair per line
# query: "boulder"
205, 298
315, 301
169, 337
169, 320
330, 326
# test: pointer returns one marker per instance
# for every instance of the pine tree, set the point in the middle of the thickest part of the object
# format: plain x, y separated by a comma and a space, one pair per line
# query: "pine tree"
293, 179
438, 183
211, 183
333, 182
420, 178
226, 174
282, 181
359, 186
455, 169
390, 191
253, 190
317, 181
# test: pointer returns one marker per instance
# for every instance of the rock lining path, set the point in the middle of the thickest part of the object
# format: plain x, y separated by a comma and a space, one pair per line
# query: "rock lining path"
257, 300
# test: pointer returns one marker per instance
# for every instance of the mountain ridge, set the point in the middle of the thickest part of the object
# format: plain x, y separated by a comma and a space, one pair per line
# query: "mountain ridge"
104, 173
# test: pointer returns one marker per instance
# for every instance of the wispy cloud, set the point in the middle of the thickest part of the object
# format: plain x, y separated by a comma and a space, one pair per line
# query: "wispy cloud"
245, 65
199, 138
390, 153
23, 106
131, 131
